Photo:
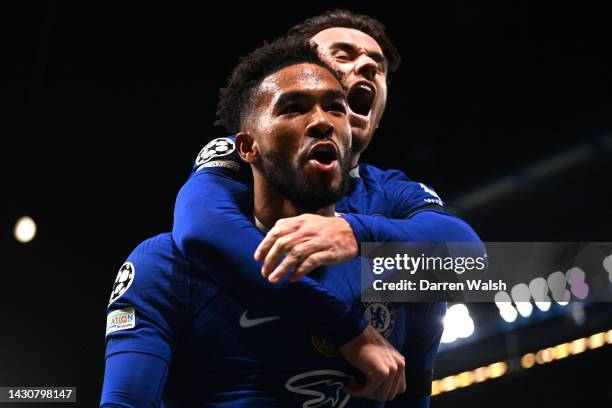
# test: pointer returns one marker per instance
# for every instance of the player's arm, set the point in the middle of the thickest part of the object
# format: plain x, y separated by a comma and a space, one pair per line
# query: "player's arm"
214, 234
147, 309
133, 380
415, 214
420, 349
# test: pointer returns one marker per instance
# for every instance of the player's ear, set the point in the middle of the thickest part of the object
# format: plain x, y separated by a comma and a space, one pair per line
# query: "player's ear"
247, 147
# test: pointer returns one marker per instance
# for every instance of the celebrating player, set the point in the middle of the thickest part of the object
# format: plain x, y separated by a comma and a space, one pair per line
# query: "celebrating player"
173, 334
380, 205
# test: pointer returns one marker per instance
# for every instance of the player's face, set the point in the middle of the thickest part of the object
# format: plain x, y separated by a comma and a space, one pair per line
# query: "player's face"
364, 67
304, 136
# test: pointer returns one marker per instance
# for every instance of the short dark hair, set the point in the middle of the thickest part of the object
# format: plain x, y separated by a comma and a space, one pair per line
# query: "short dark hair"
236, 98
347, 19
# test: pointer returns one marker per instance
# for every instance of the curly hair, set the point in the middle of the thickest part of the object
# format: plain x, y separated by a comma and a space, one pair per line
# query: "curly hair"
347, 19
236, 98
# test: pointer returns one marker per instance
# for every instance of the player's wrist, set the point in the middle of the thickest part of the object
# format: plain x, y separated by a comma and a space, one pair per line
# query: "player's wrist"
360, 230
357, 342
350, 241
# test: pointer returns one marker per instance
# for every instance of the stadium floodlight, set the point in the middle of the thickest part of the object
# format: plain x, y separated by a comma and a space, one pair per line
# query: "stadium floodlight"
504, 304
25, 229
457, 323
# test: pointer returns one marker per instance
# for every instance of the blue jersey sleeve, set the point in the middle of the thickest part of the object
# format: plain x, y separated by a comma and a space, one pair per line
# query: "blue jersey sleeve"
424, 226
214, 234
133, 380
413, 213
148, 302
406, 197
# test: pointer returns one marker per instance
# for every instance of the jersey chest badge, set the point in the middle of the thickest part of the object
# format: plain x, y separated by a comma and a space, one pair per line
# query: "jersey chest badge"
381, 316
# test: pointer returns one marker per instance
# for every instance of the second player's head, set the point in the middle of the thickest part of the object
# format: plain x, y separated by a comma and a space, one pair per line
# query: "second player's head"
288, 111
357, 46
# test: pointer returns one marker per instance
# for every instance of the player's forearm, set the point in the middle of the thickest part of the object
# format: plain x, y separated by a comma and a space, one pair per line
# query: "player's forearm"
133, 380
426, 226
213, 233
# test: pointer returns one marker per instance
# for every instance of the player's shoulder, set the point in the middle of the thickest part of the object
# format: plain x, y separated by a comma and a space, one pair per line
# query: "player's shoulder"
160, 248
368, 171
154, 263
409, 195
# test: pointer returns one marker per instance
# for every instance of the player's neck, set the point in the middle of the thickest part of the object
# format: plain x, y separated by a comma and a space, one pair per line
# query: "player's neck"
270, 205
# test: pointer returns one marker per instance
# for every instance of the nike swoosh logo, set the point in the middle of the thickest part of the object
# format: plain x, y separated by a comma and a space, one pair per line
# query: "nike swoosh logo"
245, 322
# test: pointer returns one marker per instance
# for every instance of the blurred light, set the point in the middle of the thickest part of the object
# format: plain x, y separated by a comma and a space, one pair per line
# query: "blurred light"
575, 278
557, 284
500, 368
435, 388
578, 314
597, 340
457, 323
524, 308
522, 296
465, 379
481, 374
520, 293
448, 383
578, 346
528, 360
607, 264
25, 229
544, 356
504, 304
539, 291
561, 351
497, 369
543, 306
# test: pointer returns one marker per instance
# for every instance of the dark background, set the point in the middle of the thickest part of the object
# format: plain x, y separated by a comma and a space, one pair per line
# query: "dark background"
107, 104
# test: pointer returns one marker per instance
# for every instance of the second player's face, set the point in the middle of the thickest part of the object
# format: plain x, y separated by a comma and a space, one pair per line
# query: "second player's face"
364, 68
302, 128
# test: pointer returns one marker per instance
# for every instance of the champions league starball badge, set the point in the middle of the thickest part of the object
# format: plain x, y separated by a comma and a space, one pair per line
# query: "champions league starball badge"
124, 279
219, 147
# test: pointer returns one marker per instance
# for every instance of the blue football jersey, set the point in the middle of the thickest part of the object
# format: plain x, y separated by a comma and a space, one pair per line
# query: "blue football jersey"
223, 354
217, 200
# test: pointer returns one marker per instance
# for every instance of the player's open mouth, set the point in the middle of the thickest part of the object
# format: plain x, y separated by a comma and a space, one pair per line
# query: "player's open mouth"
360, 97
323, 155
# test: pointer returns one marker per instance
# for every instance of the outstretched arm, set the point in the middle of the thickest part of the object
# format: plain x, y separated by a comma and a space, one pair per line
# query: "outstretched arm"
309, 241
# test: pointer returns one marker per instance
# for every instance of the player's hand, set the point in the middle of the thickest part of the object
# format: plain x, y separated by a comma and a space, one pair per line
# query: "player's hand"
382, 366
306, 242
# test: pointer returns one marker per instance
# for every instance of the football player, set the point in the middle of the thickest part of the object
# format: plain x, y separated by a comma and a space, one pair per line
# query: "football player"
382, 206
173, 334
